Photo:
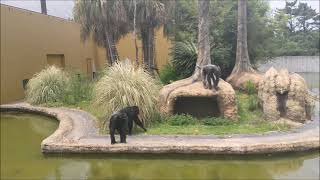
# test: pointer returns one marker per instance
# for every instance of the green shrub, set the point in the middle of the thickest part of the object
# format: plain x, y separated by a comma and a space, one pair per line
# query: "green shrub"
250, 87
124, 85
184, 56
79, 89
168, 74
216, 121
47, 86
181, 120
252, 103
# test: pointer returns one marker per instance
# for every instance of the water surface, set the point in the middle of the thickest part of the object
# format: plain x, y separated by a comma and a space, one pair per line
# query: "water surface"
21, 158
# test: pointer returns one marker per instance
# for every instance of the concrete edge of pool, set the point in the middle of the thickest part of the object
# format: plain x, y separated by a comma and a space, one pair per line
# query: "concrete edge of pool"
77, 133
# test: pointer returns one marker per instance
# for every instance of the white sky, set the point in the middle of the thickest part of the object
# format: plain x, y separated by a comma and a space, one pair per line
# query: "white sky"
63, 8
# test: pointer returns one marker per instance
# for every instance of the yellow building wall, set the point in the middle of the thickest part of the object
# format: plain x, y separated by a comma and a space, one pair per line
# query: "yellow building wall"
28, 37
127, 49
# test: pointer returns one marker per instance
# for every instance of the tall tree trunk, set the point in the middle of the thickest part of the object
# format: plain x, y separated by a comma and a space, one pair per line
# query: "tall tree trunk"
203, 38
144, 37
135, 32
242, 63
151, 50
147, 35
43, 6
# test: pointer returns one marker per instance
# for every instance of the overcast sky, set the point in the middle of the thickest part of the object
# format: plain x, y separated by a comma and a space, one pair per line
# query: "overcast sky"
63, 8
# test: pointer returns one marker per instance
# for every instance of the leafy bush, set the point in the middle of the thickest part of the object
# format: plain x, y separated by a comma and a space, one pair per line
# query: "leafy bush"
168, 74
216, 121
79, 89
250, 87
252, 103
124, 85
47, 86
181, 120
184, 56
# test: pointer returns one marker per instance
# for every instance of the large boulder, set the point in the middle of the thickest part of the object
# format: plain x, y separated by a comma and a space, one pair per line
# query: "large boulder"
285, 95
239, 81
225, 97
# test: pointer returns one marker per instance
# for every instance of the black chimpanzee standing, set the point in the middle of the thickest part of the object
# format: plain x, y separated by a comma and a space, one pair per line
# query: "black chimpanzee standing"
122, 121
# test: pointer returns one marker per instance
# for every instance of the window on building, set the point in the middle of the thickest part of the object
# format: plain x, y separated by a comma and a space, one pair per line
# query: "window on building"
56, 60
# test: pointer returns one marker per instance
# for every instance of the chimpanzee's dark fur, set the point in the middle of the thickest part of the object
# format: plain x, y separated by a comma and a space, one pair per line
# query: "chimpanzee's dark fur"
211, 75
123, 121
119, 122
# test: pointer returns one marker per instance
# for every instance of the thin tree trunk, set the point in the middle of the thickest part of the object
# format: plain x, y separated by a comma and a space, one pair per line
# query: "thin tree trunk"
135, 33
144, 37
242, 63
203, 38
147, 35
151, 50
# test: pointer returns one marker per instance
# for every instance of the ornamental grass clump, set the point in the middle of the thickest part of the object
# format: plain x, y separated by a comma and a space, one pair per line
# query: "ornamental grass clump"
47, 86
124, 85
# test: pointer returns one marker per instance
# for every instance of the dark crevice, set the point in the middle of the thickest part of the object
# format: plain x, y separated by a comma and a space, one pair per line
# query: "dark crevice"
199, 107
282, 103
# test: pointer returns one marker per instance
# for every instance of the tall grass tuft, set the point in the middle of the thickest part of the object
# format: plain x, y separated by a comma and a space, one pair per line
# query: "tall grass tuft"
124, 85
47, 86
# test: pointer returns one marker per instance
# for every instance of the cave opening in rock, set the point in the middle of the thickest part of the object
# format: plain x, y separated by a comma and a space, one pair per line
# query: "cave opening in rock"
196, 106
282, 103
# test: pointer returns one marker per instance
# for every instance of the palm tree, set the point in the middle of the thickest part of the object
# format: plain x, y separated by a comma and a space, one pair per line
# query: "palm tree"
242, 63
150, 15
106, 21
203, 38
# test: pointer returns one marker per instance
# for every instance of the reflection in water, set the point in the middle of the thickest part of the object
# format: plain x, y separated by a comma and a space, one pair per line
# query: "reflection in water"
21, 158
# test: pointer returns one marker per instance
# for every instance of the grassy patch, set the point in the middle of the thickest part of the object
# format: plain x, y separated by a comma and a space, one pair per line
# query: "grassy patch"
236, 128
250, 121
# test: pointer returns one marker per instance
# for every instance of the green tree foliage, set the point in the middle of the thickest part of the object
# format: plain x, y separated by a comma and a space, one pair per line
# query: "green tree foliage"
168, 74
296, 30
293, 30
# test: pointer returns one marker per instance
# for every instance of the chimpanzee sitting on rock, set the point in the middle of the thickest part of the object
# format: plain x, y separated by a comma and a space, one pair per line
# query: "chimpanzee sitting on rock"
122, 121
210, 76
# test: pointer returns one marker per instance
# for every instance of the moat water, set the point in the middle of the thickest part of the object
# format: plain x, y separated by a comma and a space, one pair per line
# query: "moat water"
21, 158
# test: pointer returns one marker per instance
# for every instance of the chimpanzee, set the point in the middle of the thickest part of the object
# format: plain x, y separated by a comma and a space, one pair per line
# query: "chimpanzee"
119, 122
210, 76
122, 121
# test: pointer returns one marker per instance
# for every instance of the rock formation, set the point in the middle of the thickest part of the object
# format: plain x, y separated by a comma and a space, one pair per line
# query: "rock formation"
285, 95
225, 96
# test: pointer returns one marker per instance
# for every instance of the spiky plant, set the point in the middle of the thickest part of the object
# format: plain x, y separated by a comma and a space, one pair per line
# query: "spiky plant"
47, 86
184, 59
124, 85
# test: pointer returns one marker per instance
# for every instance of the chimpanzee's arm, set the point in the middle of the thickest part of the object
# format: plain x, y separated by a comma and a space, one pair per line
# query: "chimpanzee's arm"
139, 123
112, 130
130, 125
217, 73
204, 76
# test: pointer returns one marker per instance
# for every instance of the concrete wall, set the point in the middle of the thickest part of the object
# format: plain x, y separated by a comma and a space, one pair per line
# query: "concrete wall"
293, 63
27, 38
